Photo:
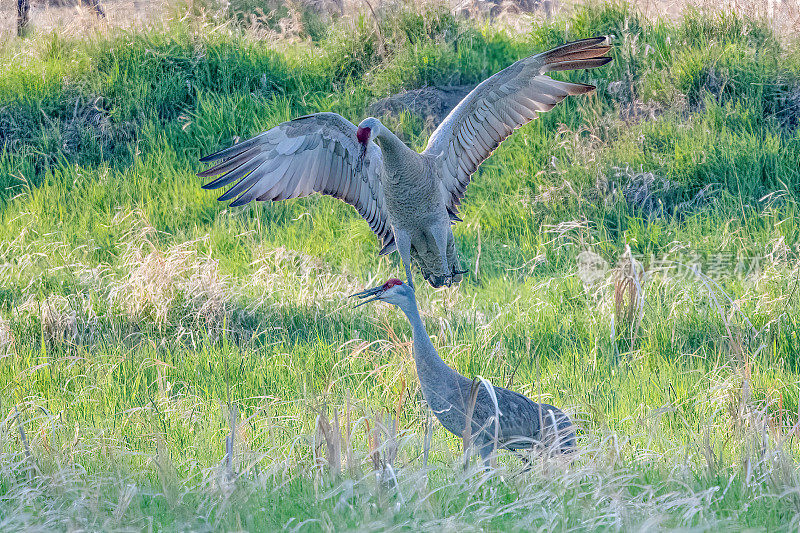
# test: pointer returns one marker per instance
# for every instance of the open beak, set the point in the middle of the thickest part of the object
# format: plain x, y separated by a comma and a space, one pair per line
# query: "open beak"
375, 292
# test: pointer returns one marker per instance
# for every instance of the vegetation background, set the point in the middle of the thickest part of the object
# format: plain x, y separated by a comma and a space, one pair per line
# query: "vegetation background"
170, 364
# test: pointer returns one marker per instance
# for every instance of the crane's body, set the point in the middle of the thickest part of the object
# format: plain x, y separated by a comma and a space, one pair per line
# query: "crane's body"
421, 223
409, 199
523, 423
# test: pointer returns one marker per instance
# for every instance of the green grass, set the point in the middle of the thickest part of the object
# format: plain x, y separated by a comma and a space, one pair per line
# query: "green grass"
134, 308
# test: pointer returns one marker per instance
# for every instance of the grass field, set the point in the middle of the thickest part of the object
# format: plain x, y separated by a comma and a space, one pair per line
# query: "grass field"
141, 320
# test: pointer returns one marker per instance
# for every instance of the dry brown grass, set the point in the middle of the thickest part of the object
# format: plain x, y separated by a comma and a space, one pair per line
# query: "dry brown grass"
7, 338
154, 282
629, 277
518, 15
79, 20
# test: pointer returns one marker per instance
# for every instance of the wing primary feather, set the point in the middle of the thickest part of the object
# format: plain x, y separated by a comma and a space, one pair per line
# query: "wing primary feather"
248, 178
543, 94
496, 124
316, 170
453, 215
488, 134
545, 85
336, 177
535, 104
573, 46
244, 185
245, 198
588, 53
350, 185
227, 166
569, 88
516, 117
576, 65
269, 178
469, 126
467, 155
234, 150
343, 178
302, 187
365, 195
325, 171
388, 247
519, 107
277, 181
224, 179
290, 180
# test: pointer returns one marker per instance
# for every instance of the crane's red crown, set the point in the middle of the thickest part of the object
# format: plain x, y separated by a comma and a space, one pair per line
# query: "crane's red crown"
362, 134
391, 283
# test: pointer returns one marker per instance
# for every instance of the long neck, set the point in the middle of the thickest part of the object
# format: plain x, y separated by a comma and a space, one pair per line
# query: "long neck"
430, 367
396, 154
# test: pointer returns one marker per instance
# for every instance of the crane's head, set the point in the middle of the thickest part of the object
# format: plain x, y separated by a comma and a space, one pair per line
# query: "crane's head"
393, 291
368, 129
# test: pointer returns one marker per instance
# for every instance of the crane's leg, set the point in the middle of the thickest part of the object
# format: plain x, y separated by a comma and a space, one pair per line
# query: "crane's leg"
486, 454
403, 240
439, 234
452, 259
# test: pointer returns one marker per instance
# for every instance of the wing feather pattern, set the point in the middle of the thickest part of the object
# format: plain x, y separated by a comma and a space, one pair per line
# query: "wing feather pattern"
310, 154
503, 103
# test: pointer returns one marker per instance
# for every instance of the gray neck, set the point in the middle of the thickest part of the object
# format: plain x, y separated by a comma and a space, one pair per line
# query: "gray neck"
395, 152
431, 369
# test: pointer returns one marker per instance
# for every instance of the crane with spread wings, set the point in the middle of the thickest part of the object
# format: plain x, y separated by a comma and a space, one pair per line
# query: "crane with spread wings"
409, 199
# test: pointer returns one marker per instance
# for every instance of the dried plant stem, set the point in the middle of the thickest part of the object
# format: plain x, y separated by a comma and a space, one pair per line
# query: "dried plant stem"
467, 437
233, 412
348, 443
496, 440
33, 467
230, 439
478, 254
426, 444
376, 19
329, 433
335, 446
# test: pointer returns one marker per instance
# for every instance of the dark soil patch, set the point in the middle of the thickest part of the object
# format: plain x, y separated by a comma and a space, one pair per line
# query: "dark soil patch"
432, 104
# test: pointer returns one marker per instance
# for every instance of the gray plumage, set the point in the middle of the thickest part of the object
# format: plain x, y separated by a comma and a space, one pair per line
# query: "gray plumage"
523, 423
409, 199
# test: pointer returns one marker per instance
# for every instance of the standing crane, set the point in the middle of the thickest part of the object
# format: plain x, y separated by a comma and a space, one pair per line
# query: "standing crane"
521, 424
409, 199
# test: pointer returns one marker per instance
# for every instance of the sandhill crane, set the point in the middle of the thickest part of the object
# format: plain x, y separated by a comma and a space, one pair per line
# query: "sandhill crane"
523, 423
409, 199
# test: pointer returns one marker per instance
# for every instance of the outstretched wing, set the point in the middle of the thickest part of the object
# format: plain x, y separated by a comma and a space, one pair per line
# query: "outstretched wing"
501, 104
314, 153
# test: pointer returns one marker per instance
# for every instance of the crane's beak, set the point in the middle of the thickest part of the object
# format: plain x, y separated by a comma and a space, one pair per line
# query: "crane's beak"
375, 292
360, 159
